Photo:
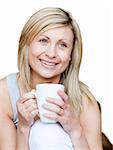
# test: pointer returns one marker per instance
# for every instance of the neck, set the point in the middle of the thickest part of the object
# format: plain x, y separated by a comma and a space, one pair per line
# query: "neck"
35, 79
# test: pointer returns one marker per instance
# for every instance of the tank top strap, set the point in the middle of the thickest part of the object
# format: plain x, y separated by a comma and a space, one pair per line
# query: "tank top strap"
14, 94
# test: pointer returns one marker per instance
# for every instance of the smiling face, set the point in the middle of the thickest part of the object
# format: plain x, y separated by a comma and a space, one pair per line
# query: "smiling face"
49, 54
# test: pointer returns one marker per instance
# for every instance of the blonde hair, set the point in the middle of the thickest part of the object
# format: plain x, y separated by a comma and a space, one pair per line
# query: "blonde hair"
42, 20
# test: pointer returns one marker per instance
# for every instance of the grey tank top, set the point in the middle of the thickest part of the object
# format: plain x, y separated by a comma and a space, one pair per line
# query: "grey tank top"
51, 136
14, 94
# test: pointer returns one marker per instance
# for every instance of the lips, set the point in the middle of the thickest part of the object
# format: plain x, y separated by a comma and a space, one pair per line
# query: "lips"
48, 63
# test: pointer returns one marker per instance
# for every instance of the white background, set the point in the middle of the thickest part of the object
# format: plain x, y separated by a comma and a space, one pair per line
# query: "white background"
95, 20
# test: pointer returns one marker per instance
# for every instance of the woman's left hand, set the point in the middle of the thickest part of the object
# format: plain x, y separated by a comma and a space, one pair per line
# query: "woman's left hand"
64, 113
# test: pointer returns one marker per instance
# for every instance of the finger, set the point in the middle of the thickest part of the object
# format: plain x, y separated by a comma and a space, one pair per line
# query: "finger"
34, 113
19, 107
28, 95
23, 100
27, 106
54, 109
29, 103
58, 102
32, 107
64, 96
55, 117
51, 116
33, 92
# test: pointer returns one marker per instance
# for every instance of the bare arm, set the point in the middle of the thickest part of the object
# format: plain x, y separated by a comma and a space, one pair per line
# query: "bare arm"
79, 140
22, 138
91, 123
10, 137
27, 113
87, 135
7, 134
65, 115
7, 128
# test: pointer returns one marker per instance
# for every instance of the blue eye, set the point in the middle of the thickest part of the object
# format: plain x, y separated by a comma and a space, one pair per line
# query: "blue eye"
62, 45
43, 40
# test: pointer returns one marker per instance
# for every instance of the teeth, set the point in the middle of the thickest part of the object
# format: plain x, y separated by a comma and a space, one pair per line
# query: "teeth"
48, 63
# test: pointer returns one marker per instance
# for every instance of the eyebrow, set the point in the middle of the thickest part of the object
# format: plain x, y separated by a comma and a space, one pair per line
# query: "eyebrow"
65, 40
45, 36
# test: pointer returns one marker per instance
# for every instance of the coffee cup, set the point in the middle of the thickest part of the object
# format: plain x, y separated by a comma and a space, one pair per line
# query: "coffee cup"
43, 91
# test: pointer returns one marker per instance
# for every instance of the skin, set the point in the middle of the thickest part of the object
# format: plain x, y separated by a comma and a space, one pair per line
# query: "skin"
48, 56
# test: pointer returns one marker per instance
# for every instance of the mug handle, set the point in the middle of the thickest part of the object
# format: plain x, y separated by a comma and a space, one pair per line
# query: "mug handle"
33, 92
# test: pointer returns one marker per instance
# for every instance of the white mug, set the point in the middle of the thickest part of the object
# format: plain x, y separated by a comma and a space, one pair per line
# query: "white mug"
43, 91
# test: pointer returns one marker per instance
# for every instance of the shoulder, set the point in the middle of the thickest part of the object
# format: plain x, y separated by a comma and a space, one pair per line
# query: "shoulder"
90, 106
5, 104
90, 113
89, 102
7, 128
90, 118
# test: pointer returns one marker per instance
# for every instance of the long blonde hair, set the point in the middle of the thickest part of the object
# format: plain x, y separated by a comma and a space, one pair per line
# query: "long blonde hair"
42, 20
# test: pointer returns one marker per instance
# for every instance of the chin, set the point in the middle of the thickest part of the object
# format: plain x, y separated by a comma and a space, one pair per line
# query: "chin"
47, 76
50, 76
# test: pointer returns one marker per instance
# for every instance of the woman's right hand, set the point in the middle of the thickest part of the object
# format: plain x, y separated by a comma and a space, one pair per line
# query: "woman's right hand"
27, 109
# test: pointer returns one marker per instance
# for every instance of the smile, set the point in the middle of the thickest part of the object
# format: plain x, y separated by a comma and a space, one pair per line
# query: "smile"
48, 63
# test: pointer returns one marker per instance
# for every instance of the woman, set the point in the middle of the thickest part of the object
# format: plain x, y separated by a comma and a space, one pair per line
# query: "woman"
50, 51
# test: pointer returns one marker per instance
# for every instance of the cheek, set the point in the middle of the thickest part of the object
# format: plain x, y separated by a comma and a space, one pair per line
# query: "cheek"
65, 57
31, 55
65, 61
34, 49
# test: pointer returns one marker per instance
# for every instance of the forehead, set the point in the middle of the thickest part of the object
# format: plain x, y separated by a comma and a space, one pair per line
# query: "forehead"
63, 32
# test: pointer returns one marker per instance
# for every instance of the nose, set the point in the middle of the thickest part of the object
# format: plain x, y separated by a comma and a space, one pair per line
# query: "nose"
51, 51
